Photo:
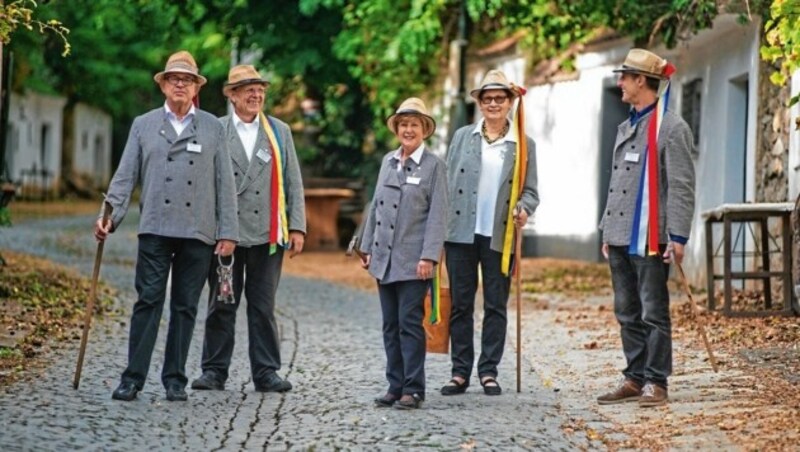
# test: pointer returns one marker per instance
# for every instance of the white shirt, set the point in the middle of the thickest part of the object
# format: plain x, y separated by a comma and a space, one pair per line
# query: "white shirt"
248, 134
173, 119
492, 157
416, 156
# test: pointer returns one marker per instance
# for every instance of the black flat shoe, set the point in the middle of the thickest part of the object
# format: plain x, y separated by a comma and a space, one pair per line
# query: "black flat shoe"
125, 391
386, 401
489, 388
208, 381
453, 387
176, 393
273, 383
407, 402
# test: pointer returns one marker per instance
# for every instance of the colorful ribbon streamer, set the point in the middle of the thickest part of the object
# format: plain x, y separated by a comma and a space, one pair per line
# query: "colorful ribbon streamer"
518, 178
645, 230
278, 224
436, 307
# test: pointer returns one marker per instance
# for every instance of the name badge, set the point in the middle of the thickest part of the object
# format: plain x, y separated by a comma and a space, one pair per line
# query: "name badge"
263, 155
194, 147
631, 157
412, 180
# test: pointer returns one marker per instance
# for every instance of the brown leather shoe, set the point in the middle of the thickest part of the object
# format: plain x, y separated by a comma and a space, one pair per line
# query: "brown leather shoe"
653, 395
628, 391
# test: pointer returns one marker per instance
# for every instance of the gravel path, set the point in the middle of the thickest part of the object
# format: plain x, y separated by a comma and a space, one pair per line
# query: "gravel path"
332, 351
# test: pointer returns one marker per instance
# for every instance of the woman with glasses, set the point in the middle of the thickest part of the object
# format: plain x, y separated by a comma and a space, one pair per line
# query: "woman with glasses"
480, 167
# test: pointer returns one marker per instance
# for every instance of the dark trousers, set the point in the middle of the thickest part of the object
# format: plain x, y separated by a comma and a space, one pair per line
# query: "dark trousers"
404, 336
189, 260
257, 274
462, 269
641, 305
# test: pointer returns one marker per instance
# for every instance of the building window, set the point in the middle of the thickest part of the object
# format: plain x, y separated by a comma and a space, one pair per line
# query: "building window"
692, 99
85, 140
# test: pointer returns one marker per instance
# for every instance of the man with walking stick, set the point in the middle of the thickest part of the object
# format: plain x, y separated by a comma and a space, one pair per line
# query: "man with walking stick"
646, 224
188, 214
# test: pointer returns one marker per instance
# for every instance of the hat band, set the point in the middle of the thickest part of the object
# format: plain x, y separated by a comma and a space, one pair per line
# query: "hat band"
180, 67
246, 82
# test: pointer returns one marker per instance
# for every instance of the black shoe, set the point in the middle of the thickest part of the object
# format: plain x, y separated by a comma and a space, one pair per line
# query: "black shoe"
409, 402
453, 387
491, 386
273, 383
176, 393
125, 391
386, 401
208, 381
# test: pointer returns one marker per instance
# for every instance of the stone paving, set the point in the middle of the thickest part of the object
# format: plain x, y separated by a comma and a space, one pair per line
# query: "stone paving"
332, 353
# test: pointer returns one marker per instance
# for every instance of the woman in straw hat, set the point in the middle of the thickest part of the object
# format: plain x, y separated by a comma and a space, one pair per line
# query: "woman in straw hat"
401, 244
481, 178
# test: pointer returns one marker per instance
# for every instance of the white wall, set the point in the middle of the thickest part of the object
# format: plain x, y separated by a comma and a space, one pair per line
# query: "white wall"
36, 123
794, 142
92, 147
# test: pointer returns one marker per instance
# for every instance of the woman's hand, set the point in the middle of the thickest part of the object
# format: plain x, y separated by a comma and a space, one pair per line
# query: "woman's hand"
425, 269
520, 216
365, 260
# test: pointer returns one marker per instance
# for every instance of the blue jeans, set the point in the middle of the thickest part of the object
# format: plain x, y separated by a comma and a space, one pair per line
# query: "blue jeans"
641, 305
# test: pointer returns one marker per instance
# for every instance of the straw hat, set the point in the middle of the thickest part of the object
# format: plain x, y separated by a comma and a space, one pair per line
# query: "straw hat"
181, 62
413, 106
640, 61
493, 79
243, 74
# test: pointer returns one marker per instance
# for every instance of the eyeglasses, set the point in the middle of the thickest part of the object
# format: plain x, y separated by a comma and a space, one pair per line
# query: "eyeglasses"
252, 91
499, 100
175, 80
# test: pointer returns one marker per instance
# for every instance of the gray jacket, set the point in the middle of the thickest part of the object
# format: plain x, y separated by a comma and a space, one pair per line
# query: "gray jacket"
407, 217
253, 179
463, 175
676, 179
186, 180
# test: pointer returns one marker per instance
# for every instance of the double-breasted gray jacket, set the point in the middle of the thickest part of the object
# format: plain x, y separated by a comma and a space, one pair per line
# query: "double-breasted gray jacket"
254, 177
676, 179
187, 182
463, 176
407, 218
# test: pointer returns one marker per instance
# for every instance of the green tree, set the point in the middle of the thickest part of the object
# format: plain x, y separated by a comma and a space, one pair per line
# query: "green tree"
783, 41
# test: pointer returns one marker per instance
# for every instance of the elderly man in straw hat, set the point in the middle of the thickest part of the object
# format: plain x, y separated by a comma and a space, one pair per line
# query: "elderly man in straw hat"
480, 169
271, 219
402, 243
188, 214
646, 224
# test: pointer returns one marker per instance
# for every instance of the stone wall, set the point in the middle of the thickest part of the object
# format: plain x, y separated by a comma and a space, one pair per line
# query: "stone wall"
772, 140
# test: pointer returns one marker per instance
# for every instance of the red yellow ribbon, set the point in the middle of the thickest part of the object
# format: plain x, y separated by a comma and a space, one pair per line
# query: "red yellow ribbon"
518, 178
278, 224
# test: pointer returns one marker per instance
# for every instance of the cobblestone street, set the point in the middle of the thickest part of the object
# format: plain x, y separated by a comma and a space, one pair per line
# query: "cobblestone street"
332, 353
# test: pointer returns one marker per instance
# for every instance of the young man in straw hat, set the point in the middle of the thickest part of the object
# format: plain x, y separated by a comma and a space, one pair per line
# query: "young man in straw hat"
480, 172
271, 219
188, 214
646, 224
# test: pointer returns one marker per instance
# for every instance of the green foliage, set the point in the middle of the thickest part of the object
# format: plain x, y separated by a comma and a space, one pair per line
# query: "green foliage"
20, 13
783, 41
5, 216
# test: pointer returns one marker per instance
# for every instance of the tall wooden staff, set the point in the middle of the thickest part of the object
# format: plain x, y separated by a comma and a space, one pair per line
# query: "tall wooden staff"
700, 326
518, 286
87, 319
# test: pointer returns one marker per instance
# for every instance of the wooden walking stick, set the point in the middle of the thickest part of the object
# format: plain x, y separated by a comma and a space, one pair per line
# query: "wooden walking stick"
518, 283
87, 319
696, 313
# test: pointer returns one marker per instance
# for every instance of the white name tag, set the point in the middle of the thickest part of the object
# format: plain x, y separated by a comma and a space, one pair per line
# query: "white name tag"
412, 180
263, 155
631, 157
194, 147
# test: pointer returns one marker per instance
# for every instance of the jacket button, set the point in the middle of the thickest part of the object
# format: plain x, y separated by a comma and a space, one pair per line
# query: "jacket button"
188, 204
189, 182
458, 212
255, 212
392, 226
390, 247
169, 179
509, 182
258, 192
381, 202
624, 192
235, 174
507, 201
615, 166
633, 146
191, 162
376, 243
379, 223
169, 159
166, 201
621, 214
627, 168
408, 169
460, 191
395, 206
608, 212
611, 190
462, 170
238, 212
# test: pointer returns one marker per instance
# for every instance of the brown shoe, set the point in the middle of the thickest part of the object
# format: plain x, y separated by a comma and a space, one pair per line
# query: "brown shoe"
653, 395
628, 391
